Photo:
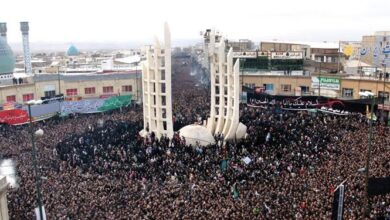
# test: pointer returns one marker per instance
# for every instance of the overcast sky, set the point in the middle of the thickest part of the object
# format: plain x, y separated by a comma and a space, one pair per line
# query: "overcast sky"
140, 20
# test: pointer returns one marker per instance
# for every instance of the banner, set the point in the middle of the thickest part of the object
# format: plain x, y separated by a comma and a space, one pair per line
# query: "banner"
115, 102
286, 55
378, 186
44, 111
325, 83
14, 116
331, 105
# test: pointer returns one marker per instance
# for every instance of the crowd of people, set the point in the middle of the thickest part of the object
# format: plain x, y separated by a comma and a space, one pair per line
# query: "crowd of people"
98, 167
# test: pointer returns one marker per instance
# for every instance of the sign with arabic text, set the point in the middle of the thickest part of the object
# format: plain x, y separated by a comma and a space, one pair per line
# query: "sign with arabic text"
331, 83
13, 117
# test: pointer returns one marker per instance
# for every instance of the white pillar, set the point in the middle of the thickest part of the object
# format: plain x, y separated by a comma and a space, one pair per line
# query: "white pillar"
156, 78
3, 199
224, 115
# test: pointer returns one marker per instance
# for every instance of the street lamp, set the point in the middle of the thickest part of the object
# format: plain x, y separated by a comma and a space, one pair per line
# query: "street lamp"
383, 93
59, 89
242, 62
38, 133
369, 95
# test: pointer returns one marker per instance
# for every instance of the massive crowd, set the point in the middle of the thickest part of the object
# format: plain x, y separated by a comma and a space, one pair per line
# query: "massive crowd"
98, 167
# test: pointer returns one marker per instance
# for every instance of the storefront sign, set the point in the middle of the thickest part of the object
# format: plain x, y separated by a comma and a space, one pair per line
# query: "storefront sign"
247, 54
287, 55
325, 83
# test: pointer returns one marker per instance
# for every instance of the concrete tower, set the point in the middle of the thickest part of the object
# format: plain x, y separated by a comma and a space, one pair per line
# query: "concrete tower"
26, 47
3, 199
225, 90
3, 31
156, 82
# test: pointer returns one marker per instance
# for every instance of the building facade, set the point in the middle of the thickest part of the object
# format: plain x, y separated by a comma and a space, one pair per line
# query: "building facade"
337, 86
72, 86
375, 49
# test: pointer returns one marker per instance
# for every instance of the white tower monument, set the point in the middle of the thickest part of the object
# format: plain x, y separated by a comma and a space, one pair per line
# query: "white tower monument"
156, 82
26, 47
225, 90
3, 199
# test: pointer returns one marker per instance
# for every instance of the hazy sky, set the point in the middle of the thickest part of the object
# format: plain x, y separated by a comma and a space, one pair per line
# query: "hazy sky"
139, 20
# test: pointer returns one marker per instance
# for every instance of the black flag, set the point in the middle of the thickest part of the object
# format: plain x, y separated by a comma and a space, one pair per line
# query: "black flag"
378, 186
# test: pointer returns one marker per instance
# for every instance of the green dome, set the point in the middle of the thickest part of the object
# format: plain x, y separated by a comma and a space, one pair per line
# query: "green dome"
7, 59
72, 51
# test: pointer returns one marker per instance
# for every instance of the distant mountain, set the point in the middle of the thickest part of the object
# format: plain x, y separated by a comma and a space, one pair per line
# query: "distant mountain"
37, 47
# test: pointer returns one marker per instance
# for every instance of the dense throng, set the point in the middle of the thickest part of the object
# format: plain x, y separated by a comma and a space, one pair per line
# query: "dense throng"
95, 170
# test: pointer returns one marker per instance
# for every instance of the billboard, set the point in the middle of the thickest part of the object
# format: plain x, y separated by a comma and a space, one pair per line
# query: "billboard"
331, 83
247, 54
287, 55
13, 117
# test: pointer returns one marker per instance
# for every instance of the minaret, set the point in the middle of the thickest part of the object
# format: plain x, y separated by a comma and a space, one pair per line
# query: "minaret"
26, 47
3, 31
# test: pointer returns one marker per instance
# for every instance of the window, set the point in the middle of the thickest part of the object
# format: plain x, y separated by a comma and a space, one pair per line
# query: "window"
269, 87
250, 85
305, 90
108, 89
128, 88
71, 92
28, 97
89, 91
382, 94
364, 90
50, 93
347, 92
286, 88
11, 98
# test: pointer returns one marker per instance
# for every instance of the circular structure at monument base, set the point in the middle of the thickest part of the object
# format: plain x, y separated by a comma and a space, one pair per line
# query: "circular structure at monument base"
241, 131
197, 135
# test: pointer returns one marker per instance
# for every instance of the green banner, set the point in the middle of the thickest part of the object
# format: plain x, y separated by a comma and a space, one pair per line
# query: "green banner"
115, 102
331, 83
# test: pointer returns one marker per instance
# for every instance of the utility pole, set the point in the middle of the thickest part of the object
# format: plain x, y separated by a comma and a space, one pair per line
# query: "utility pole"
35, 164
368, 157
338, 63
384, 93
59, 89
319, 81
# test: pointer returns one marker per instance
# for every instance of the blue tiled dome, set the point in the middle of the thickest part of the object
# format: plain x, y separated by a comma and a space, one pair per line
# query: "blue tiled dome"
72, 51
7, 59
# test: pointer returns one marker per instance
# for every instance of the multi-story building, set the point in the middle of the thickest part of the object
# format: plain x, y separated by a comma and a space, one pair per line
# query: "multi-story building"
241, 45
321, 57
21, 87
375, 49
277, 46
73, 86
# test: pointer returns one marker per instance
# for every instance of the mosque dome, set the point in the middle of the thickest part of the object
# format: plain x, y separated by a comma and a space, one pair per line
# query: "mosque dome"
7, 59
197, 134
72, 51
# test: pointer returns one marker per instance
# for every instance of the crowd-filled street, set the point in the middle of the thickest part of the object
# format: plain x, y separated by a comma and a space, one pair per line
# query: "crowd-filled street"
95, 170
